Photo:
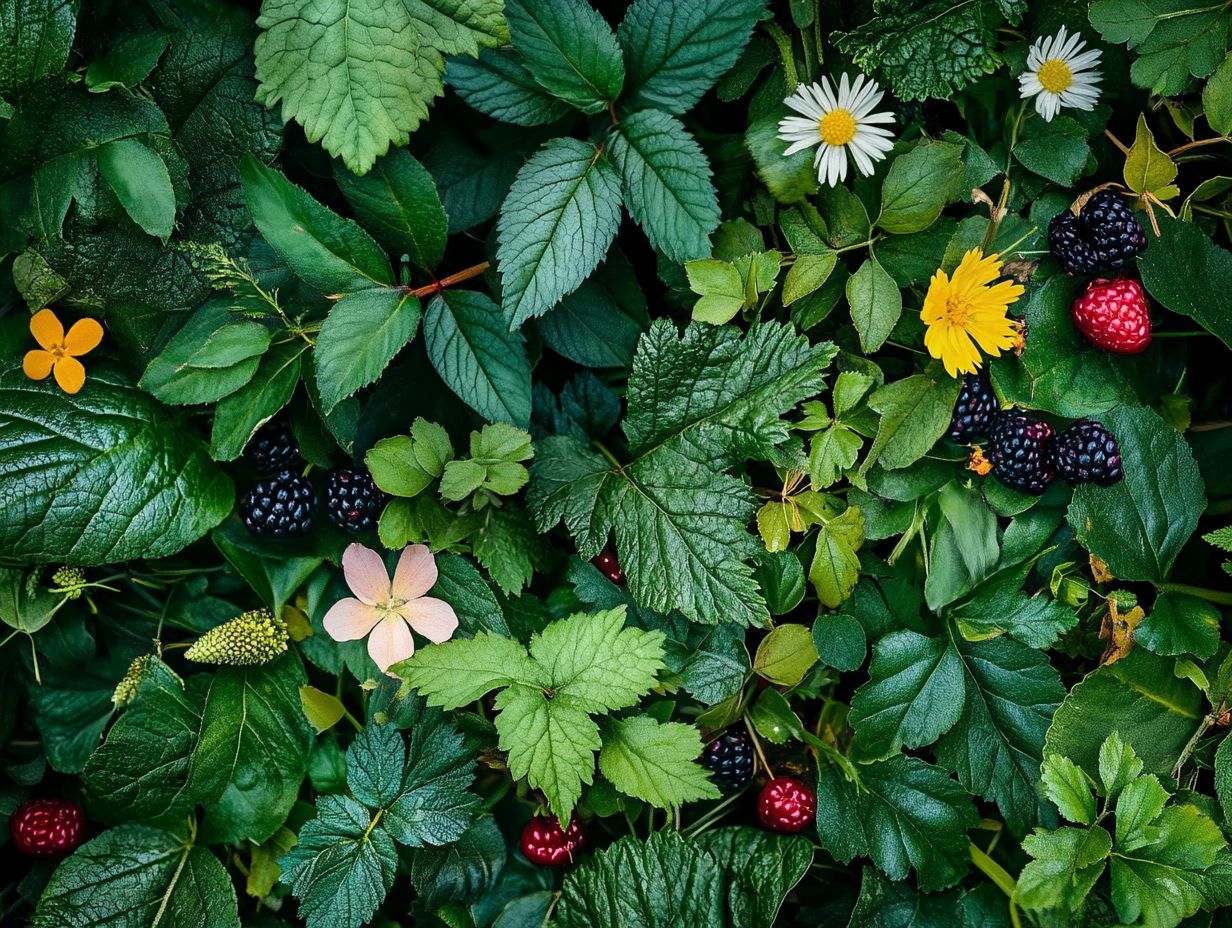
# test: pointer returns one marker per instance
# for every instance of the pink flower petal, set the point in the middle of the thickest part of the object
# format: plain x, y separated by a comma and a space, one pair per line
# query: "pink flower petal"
349, 619
415, 573
390, 642
365, 574
433, 618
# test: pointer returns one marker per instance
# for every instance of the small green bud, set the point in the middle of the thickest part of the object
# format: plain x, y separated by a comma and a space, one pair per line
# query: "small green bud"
126, 689
70, 581
253, 638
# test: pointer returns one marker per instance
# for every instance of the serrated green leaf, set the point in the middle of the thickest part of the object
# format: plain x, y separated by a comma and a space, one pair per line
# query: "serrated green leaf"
40, 38
497, 83
360, 336
666, 182
555, 226
1069, 789
1067, 864
918, 186
570, 49
458, 672
397, 202
655, 761
876, 304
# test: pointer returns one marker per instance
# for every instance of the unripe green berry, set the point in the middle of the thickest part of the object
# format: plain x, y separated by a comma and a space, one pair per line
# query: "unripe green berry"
253, 638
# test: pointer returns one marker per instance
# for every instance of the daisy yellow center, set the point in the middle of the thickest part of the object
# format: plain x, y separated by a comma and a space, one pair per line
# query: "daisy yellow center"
1055, 75
837, 127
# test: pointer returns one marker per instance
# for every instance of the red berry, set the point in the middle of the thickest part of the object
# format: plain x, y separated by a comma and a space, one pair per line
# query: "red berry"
47, 828
787, 804
609, 566
1113, 315
546, 844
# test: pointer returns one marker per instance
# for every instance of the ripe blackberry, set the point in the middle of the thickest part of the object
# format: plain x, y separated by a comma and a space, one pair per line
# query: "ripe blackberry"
1018, 448
787, 804
729, 758
279, 505
1102, 237
352, 499
1086, 452
545, 843
974, 411
273, 448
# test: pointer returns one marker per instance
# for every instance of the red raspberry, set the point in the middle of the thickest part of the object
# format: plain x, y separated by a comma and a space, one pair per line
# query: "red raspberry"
787, 804
546, 844
47, 828
609, 566
1113, 315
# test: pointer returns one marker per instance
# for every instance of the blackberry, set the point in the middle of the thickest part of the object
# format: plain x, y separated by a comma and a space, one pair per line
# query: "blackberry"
1105, 235
273, 448
609, 566
279, 505
729, 758
1086, 452
352, 499
1018, 448
974, 411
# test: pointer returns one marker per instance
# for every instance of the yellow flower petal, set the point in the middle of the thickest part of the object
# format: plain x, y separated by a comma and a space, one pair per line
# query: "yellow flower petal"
70, 374
47, 330
83, 337
37, 363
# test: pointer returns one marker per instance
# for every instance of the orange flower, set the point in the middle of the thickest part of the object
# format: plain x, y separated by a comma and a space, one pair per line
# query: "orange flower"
59, 352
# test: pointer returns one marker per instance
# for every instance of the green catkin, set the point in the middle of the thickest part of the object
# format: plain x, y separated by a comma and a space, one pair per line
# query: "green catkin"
126, 689
253, 638
70, 581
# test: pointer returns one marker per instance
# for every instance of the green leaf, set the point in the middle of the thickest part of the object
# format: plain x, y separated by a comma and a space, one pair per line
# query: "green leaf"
904, 814
140, 180
876, 304
836, 565
655, 761
1147, 168
930, 49
1069, 789
458, 672
363, 332
397, 202
212, 356
729, 876
785, 655
498, 84
720, 287
965, 547
915, 413
997, 744
1057, 150
252, 754
570, 49
466, 870
126, 63
134, 876
239, 415
1119, 765
1217, 98
918, 186
127, 480
1139, 525
915, 693
1180, 624
840, 641
806, 274
1068, 863
791, 178
358, 75
599, 323
696, 405
322, 710
1137, 696
475, 354
326, 251
675, 53
666, 182
40, 36
885, 904
340, 868
555, 225
1182, 269
1172, 39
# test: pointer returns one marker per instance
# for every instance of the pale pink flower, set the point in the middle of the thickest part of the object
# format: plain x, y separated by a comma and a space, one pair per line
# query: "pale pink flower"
386, 610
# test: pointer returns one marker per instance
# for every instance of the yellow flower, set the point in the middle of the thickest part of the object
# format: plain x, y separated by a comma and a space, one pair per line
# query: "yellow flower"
964, 310
59, 352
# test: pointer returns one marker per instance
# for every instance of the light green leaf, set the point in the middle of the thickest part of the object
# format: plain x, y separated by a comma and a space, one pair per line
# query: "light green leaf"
915, 413
1067, 864
1217, 98
458, 672
326, 251
213, 355
569, 48
140, 180
785, 655
555, 225
806, 274
666, 182
655, 761
876, 303
239, 415
918, 186
1118, 765
1147, 168
1069, 789
322, 710
360, 336
720, 287
1180, 624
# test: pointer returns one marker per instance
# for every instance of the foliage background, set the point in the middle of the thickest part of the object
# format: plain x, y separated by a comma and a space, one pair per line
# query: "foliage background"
545, 271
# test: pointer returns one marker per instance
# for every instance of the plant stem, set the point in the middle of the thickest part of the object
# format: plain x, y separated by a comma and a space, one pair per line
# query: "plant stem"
1219, 597
999, 876
438, 285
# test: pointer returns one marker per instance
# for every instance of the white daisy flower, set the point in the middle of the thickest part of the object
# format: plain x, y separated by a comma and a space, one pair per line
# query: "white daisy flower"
838, 123
1059, 74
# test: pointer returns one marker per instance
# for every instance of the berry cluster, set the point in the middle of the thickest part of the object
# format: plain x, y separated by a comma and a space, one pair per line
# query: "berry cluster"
1028, 454
1112, 313
975, 409
545, 843
47, 828
284, 502
729, 758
